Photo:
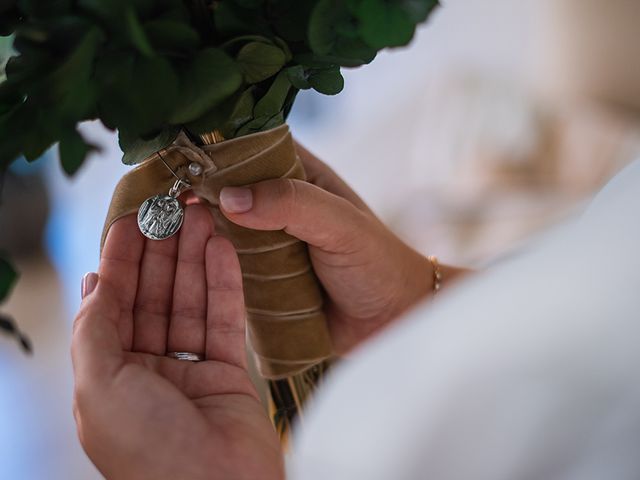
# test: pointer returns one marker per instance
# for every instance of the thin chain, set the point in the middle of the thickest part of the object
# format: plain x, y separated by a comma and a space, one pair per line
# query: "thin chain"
437, 273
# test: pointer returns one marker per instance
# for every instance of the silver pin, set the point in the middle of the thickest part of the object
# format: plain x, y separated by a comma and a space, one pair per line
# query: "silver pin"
195, 169
161, 217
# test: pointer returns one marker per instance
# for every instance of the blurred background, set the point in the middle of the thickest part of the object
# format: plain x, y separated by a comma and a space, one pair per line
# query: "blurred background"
500, 120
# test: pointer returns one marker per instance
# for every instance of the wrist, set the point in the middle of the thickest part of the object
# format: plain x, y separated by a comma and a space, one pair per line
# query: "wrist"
415, 285
426, 276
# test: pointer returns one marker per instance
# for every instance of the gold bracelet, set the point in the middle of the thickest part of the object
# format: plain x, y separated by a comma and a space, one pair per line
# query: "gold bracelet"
437, 273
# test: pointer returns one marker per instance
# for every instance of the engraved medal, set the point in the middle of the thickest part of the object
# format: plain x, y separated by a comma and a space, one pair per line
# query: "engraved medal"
161, 217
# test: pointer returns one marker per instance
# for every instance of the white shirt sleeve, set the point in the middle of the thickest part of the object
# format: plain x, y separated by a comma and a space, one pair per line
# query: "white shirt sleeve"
529, 371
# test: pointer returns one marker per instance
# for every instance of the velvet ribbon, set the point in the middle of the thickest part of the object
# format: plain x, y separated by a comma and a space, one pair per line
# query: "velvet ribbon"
286, 325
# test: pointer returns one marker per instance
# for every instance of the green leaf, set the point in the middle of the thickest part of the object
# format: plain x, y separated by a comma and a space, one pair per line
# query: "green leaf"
231, 20
114, 74
227, 117
327, 81
268, 111
5, 54
290, 19
41, 135
8, 277
298, 77
66, 88
39, 9
8, 326
10, 97
9, 21
154, 93
288, 55
28, 127
273, 101
242, 113
333, 37
324, 61
137, 150
136, 33
261, 124
23, 69
145, 8
259, 61
325, 19
171, 36
250, 3
78, 104
6, 5
73, 151
211, 78
11, 140
138, 94
202, 18
177, 12
419, 10
107, 10
384, 24
212, 120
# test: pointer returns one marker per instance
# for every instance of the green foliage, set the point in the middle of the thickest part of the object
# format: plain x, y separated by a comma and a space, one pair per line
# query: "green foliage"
73, 150
5, 53
8, 277
9, 327
259, 61
135, 148
151, 68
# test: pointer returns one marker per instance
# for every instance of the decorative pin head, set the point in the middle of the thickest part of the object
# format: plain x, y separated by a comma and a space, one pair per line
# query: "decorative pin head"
195, 169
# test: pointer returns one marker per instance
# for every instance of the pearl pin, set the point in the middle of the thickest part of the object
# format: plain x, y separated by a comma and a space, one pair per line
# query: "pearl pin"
195, 169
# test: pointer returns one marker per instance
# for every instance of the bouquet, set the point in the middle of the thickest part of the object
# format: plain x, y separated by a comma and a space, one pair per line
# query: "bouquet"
201, 89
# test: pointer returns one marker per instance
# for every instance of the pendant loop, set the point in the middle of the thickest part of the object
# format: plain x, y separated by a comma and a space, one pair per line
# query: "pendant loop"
179, 187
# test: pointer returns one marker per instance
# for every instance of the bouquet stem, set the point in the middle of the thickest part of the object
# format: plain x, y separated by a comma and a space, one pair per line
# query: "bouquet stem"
286, 396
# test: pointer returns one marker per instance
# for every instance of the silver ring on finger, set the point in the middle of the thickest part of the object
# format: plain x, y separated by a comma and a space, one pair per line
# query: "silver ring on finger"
186, 356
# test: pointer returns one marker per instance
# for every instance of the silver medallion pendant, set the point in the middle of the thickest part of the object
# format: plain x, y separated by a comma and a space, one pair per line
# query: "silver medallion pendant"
161, 217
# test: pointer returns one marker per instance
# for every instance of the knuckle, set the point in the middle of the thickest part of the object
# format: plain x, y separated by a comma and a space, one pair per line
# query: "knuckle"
76, 330
293, 194
286, 193
361, 237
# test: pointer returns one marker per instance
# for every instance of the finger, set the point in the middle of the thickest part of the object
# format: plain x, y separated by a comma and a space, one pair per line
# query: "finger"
303, 210
313, 166
225, 311
320, 174
119, 266
155, 291
190, 198
188, 316
96, 347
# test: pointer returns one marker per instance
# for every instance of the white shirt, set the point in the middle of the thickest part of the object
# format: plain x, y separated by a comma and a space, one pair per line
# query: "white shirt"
528, 371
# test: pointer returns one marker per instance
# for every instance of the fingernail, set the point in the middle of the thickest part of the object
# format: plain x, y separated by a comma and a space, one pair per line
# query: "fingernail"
89, 282
236, 199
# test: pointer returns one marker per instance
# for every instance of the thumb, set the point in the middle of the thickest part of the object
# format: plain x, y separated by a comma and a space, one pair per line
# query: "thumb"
303, 210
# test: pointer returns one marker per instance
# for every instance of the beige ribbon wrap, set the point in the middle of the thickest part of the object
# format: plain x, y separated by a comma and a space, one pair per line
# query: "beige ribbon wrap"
286, 324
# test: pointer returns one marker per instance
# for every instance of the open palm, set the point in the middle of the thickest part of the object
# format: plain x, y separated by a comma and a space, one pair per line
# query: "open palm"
143, 415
